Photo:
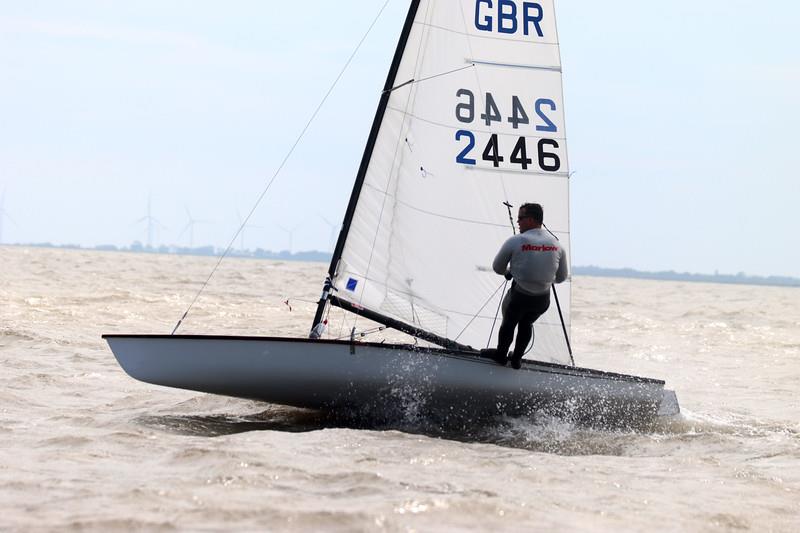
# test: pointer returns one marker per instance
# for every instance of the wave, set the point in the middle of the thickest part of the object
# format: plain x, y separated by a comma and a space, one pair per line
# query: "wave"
117, 524
277, 418
67, 441
732, 424
538, 433
12, 334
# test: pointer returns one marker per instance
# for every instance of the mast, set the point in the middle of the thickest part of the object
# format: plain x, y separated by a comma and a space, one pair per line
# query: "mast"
362, 171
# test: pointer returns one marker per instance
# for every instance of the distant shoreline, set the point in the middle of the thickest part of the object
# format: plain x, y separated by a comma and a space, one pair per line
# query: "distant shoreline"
199, 251
323, 257
670, 275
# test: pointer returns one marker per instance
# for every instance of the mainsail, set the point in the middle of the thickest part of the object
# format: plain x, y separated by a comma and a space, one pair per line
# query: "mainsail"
472, 116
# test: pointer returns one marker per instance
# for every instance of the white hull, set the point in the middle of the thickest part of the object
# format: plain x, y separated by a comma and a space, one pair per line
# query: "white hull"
384, 380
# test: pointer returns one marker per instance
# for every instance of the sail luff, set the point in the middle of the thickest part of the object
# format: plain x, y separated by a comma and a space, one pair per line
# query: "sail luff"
365, 159
566, 327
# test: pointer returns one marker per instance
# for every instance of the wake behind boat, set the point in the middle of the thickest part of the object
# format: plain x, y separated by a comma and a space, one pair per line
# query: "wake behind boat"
470, 118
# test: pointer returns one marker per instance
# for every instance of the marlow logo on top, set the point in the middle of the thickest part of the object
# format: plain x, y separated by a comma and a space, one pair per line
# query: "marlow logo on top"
509, 17
537, 248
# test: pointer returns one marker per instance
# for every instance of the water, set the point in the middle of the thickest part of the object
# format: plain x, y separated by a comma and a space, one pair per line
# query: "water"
83, 446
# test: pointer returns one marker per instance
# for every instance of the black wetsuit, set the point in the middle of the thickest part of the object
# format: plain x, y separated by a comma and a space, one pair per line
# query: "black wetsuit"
537, 260
520, 311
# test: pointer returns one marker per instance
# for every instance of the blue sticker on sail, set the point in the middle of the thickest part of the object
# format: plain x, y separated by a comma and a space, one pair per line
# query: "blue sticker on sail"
351, 284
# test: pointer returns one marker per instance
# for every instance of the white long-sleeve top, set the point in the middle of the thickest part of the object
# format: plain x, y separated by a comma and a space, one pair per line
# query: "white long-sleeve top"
537, 261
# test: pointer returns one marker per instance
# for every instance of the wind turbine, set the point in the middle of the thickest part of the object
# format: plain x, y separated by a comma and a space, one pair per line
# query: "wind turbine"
243, 225
190, 227
151, 223
334, 231
290, 232
4, 214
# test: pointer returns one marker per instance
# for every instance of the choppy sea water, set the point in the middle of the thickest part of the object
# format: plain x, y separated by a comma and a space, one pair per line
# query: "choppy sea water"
83, 446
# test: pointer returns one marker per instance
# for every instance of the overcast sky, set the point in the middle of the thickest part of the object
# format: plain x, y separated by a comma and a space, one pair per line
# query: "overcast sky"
681, 117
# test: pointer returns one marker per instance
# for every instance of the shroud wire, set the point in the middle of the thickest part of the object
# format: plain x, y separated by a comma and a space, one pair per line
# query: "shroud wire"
283, 163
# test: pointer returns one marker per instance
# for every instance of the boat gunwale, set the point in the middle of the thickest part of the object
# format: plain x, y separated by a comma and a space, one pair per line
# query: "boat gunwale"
529, 365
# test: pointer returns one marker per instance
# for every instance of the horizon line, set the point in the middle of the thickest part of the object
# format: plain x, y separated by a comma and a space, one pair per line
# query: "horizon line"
313, 256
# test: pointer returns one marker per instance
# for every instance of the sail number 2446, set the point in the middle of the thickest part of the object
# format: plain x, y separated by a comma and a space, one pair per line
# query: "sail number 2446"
493, 151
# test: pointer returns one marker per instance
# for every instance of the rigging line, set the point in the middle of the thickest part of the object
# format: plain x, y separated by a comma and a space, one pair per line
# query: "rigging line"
342, 323
502, 297
506, 171
364, 333
415, 81
558, 306
471, 65
478, 80
417, 62
433, 308
437, 310
494, 323
431, 213
283, 163
473, 316
399, 154
326, 320
533, 340
480, 310
469, 46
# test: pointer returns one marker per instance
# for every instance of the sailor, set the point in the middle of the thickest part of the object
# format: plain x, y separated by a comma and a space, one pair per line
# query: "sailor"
537, 261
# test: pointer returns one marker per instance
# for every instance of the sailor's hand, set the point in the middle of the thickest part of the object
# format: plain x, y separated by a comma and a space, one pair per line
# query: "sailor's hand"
508, 275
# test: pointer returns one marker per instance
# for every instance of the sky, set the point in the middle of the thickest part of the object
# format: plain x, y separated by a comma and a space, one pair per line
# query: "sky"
681, 121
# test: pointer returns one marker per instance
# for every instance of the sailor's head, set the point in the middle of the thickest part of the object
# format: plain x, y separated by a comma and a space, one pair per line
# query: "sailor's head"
531, 216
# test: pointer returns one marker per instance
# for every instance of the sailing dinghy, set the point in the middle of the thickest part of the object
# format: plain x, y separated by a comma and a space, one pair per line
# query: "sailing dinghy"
471, 117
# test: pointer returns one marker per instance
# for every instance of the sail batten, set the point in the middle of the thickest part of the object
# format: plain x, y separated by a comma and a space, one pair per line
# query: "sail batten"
479, 130
471, 117
514, 65
486, 37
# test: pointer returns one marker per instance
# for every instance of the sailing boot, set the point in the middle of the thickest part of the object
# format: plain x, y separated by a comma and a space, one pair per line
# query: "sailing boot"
516, 362
494, 355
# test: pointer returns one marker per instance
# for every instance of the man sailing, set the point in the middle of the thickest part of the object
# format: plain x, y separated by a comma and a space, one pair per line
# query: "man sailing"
537, 261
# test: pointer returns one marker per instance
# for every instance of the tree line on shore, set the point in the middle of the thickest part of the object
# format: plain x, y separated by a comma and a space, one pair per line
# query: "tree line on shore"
315, 255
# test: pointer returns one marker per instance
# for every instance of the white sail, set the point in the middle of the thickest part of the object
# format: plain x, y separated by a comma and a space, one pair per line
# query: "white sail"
482, 124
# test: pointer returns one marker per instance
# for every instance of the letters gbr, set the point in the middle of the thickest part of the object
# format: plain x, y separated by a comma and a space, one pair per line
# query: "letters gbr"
508, 16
